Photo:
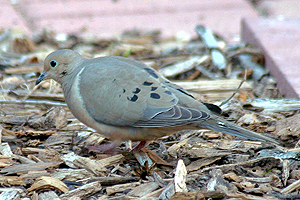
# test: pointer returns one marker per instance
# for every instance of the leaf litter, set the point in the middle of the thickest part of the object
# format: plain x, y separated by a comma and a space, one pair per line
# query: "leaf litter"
44, 150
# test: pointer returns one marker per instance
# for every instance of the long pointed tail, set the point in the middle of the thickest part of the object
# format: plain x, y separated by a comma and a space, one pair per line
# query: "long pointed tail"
221, 125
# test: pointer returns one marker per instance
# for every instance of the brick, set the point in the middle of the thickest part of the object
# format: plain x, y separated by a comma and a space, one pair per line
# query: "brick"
10, 18
107, 18
282, 8
280, 42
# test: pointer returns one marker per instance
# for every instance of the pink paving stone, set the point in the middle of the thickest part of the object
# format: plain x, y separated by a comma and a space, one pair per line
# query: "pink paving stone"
286, 8
9, 18
280, 42
109, 18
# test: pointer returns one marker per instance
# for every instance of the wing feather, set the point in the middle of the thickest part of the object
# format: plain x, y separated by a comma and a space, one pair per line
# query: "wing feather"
129, 93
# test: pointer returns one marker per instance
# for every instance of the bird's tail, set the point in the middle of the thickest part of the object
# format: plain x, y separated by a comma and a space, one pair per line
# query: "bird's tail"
221, 125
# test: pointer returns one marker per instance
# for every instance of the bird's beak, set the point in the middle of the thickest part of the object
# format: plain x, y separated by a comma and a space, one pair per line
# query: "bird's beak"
41, 78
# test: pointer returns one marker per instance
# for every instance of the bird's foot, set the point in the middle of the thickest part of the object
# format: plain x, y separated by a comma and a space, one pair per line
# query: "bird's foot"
109, 148
141, 145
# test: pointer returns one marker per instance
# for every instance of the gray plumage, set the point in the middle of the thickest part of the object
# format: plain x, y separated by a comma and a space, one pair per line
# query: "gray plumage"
126, 100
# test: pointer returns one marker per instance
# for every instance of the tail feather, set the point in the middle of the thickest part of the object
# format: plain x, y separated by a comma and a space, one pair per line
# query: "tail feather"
221, 125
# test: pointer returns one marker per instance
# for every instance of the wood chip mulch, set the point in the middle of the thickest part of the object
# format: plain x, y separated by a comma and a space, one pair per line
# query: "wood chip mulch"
46, 153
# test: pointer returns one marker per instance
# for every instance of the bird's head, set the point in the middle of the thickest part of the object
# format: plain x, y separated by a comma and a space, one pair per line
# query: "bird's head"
59, 64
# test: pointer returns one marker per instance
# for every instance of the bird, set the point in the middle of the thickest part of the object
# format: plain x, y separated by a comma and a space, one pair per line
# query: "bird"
126, 100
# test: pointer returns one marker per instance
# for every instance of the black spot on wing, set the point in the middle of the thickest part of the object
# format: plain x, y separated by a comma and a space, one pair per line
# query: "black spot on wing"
155, 96
214, 108
137, 90
168, 92
123, 91
146, 83
151, 72
153, 88
134, 98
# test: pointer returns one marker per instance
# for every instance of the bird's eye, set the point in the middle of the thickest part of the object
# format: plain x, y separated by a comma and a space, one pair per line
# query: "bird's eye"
53, 63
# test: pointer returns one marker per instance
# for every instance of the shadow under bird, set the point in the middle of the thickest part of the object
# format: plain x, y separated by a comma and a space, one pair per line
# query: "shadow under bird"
124, 99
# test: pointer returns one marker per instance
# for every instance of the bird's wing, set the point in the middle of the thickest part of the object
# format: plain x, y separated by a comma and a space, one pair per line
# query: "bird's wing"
122, 93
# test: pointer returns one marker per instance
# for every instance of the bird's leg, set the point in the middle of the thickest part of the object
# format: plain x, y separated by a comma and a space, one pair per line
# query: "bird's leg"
141, 145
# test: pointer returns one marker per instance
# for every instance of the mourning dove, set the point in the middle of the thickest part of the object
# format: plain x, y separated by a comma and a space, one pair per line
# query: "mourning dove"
124, 99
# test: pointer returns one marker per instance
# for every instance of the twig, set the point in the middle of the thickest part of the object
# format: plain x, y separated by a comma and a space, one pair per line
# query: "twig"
245, 51
31, 92
34, 102
237, 89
